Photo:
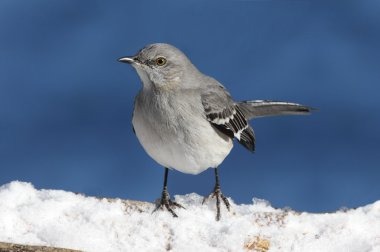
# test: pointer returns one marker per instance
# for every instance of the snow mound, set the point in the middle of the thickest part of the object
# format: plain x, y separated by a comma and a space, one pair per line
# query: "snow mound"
64, 219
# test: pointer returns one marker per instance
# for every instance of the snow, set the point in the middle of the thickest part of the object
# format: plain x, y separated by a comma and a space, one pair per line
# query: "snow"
64, 219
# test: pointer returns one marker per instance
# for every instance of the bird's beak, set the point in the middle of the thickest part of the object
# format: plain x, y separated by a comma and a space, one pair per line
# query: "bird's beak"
128, 60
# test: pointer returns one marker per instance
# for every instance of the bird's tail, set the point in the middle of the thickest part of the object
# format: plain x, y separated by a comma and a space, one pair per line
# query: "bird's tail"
260, 108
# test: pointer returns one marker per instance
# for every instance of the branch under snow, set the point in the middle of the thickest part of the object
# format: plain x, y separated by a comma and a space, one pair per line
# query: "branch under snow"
68, 220
11, 247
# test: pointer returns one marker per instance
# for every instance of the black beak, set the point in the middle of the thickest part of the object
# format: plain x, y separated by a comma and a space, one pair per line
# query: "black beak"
128, 60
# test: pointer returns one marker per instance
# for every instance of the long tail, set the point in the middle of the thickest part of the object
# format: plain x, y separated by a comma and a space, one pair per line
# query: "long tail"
260, 108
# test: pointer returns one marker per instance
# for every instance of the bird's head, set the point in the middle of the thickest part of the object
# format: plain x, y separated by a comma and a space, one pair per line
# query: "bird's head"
160, 65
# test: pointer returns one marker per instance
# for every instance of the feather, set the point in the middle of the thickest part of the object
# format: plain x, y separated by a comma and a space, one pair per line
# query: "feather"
260, 108
227, 117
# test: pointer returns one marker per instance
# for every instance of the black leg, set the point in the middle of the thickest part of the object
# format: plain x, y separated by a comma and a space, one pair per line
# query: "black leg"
165, 198
217, 193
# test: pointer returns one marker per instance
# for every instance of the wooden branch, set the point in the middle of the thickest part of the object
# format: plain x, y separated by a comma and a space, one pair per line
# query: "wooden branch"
11, 247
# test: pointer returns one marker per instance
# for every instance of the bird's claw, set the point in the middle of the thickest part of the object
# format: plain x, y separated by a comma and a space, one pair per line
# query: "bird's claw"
217, 193
166, 202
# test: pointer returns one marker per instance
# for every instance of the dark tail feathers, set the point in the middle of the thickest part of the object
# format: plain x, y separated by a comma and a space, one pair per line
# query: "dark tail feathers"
260, 108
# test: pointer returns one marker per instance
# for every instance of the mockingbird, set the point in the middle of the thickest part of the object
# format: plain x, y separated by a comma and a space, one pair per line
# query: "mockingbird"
187, 121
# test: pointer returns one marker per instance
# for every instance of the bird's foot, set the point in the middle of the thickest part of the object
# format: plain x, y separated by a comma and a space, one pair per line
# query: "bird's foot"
217, 193
166, 202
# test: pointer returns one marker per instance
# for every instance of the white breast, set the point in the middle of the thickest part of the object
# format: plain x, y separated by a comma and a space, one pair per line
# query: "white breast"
179, 136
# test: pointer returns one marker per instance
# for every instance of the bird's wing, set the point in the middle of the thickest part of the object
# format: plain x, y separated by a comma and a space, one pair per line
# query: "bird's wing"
226, 116
259, 108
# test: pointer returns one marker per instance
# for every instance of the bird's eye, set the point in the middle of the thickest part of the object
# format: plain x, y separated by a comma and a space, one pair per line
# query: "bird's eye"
160, 61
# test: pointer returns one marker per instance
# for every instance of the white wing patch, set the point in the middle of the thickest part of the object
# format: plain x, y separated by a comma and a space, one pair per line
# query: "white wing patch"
226, 120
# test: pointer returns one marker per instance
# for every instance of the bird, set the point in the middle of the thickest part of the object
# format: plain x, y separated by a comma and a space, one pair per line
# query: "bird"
187, 121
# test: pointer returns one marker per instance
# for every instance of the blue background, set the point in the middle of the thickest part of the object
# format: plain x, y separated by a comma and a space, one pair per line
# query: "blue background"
66, 103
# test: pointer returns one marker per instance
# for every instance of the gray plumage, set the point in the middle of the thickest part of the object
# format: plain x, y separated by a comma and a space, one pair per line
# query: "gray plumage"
186, 120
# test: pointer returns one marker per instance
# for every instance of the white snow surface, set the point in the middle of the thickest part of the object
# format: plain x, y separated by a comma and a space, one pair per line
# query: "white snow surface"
64, 219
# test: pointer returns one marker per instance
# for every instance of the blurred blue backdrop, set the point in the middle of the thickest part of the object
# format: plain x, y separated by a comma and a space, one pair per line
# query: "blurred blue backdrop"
66, 103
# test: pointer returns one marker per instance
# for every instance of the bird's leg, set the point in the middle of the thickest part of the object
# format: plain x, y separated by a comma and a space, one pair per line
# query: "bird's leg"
217, 193
165, 201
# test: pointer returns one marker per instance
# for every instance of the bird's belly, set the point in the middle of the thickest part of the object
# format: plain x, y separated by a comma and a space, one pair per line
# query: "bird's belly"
191, 149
